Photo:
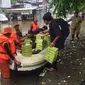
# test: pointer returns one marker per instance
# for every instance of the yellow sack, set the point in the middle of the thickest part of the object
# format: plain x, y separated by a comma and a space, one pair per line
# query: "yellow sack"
27, 50
47, 41
51, 54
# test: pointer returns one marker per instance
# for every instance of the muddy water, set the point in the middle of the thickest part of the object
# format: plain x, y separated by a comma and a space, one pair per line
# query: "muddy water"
24, 25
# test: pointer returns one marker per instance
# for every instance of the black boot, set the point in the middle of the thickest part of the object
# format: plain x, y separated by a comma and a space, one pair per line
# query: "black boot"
77, 36
72, 38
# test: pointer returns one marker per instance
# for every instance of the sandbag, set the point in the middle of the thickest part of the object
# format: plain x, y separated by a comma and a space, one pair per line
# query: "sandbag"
38, 36
27, 50
51, 54
39, 44
28, 41
47, 41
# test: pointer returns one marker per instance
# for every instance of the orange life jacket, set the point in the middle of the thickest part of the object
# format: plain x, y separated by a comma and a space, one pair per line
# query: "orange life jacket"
3, 54
12, 46
13, 34
34, 26
16, 38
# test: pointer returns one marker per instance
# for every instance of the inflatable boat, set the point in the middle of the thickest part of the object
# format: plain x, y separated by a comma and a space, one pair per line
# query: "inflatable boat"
29, 63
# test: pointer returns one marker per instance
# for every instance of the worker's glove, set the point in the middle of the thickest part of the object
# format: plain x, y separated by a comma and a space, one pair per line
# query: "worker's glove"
17, 62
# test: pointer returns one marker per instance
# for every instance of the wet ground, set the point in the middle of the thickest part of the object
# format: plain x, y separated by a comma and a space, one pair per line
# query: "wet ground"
71, 68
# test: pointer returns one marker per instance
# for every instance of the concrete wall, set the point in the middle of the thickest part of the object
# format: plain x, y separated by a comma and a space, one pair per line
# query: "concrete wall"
5, 3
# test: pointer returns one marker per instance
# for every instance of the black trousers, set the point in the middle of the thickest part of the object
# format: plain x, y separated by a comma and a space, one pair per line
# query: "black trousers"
53, 65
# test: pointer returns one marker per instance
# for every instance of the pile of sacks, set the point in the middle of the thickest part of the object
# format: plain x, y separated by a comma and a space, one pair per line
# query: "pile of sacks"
51, 54
27, 48
47, 41
28, 41
42, 41
39, 42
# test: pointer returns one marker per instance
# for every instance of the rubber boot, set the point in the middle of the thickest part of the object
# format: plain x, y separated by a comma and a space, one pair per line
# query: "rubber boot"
72, 38
77, 36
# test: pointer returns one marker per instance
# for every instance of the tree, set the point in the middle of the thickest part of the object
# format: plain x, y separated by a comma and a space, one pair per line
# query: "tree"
62, 7
14, 1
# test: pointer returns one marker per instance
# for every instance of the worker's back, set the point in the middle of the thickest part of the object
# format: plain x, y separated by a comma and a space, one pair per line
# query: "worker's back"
3, 40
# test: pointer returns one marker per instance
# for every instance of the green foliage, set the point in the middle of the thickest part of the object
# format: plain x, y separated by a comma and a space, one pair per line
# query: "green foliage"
47, 1
62, 7
14, 1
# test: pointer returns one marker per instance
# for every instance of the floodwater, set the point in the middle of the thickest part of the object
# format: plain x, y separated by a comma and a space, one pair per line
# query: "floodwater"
24, 25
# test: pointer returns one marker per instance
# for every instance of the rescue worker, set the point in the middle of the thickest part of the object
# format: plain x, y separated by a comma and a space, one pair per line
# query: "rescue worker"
56, 37
13, 46
75, 25
37, 31
33, 30
17, 35
34, 25
6, 54
33, 37
17, 29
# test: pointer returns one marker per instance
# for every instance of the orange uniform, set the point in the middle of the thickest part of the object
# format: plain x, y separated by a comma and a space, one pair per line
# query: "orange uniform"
15, 37
4, 56
34, 26
4, 66
12, 46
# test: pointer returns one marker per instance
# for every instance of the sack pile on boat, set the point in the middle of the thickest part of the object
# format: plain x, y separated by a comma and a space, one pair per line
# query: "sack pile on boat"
27, 48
